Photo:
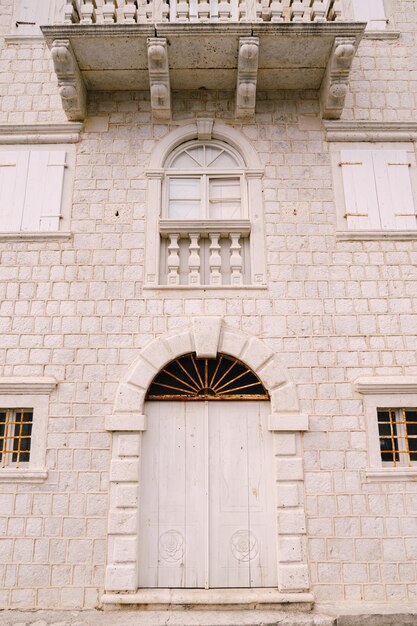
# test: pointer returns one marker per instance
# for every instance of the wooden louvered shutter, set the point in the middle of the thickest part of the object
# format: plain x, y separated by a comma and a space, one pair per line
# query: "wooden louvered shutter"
29, 15
13, 176
52, 201
361, 201
45, 179
371, 11
395, 194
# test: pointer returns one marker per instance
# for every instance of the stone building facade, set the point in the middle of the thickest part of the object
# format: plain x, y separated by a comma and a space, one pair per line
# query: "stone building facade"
124, 247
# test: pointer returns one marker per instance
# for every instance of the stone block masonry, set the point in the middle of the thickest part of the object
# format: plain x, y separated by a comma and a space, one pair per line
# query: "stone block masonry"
332, 311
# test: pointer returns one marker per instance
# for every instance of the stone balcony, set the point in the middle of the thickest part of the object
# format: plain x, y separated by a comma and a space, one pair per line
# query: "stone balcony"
230, 45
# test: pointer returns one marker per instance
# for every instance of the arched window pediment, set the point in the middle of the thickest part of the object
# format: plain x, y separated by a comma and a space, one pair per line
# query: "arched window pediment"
222, 378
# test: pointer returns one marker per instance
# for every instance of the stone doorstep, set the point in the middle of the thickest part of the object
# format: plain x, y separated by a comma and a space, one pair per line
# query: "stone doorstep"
163, 618
210, 599
199, 618
384, 619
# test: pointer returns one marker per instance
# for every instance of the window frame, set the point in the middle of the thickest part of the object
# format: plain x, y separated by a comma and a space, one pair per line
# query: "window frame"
404, 456
204, 174
343, 232
9, 437
29, 393
204, 179
385, 392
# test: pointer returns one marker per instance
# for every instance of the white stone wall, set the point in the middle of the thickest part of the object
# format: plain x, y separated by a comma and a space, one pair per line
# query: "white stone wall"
333, 311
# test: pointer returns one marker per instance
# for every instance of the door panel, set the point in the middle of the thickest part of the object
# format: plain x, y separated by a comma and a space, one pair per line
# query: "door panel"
242, 537
172, 534
206, 511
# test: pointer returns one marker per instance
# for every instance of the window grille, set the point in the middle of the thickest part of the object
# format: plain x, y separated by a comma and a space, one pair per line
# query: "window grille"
398, 436
15, 436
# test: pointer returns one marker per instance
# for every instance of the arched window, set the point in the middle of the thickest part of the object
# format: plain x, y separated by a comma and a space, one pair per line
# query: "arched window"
209, 227
205, 181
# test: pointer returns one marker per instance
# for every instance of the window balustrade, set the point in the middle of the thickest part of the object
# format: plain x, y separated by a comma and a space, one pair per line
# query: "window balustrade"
214, 254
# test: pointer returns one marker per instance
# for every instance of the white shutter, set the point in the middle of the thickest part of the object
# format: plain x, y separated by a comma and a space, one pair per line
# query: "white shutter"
52, 201
371, 11
30, 14
395, 194
45, 179
361, 202
13, 174
57, 11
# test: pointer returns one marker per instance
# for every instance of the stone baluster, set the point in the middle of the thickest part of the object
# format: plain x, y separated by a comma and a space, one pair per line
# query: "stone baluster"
203, 11
109, 11
259, 10
236, 262
277, 9
265, 10
183, 11
141, 12
250, 11
173, 261
318, 11
194, 260
242, 12
335, 13
164, 11
298, 9
159, 9
224, 10
88, 12
130, 12
71, 15
215, 261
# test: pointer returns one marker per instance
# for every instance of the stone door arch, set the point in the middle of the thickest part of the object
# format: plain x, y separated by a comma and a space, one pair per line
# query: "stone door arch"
206, 337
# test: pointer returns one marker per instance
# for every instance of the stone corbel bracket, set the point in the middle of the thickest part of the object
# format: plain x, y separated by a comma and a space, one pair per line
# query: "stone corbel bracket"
335, 83
159, 78
70, 83
247, 76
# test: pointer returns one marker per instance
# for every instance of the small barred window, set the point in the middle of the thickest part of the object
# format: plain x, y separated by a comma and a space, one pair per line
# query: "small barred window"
398, 436
15, 436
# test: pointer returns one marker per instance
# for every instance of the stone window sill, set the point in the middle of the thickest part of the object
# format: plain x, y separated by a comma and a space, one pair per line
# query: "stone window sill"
200, 289
24, 39
12, 475
391, 474
382, 34
36, 236
377, 235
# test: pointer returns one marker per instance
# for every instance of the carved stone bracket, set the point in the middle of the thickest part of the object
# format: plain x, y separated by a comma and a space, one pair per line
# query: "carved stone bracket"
335, 83
159, 78
70, 83
247, 75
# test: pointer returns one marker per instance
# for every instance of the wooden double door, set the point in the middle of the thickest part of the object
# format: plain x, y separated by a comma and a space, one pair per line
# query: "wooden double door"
207, 515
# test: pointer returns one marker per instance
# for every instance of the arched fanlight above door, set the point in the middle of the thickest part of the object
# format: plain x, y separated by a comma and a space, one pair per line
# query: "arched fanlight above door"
222, 378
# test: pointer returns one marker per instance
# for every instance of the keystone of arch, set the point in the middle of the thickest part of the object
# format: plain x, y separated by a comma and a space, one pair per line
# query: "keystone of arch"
206, 336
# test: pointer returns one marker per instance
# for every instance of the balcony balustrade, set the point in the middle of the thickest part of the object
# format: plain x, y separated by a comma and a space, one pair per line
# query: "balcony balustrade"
201, 11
